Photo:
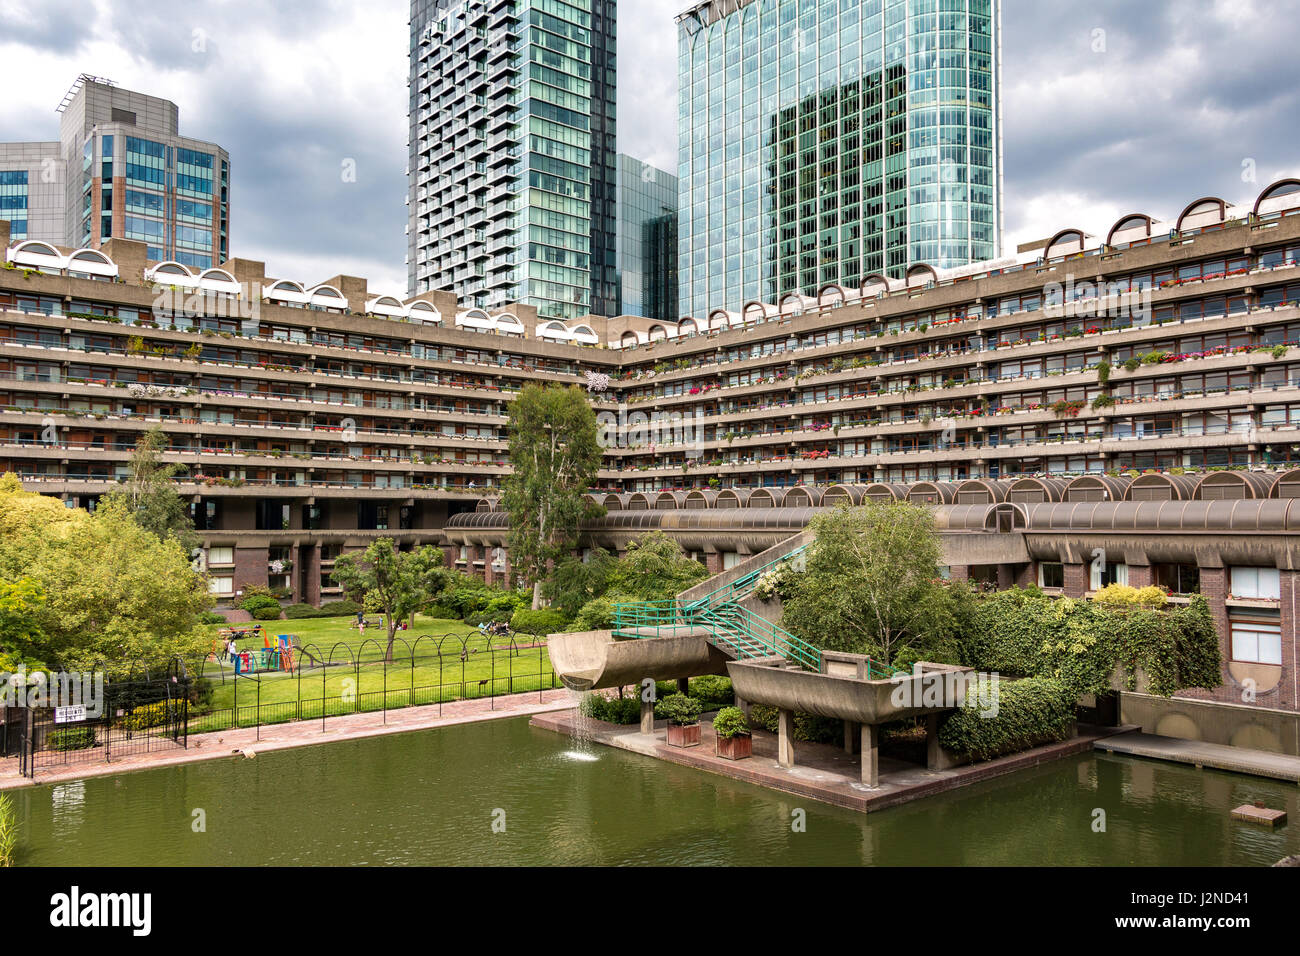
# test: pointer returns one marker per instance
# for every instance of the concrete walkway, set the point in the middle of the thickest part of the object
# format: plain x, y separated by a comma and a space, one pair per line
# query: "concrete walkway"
225, 744
821, 771
1259, 763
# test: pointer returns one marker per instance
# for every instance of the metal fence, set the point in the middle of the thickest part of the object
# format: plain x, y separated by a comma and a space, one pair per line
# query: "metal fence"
317, 683
142, 713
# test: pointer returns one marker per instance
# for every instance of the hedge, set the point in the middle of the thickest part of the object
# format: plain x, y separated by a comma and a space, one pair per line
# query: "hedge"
807, 727
267, 613
298, 612
1032, 711
1084, 643
71, 738
613, 710
538, 623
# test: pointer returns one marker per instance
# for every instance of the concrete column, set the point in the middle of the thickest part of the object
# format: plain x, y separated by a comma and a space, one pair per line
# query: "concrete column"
743, 705
870, 755
850, 735
932, 751
647, 715
785, 739
683, 685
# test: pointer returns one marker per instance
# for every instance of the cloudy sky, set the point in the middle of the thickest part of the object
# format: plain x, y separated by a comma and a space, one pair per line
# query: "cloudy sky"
1110, 107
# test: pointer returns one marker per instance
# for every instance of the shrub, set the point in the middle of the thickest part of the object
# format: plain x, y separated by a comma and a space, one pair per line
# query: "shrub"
259, 602
267, 613
539, 623
212, 617
441, 612
340, 609
679, 709
150, 715
712, 691
299, 612
613, 710
1031, 712
807, 727
596, 615
1123, 594
71, 738
731, 722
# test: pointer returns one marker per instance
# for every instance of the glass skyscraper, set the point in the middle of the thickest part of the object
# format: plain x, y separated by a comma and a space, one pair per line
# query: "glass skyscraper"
647, 240
512, 180
824, 141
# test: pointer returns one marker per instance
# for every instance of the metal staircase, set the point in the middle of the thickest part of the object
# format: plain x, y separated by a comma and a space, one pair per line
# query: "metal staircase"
734, 629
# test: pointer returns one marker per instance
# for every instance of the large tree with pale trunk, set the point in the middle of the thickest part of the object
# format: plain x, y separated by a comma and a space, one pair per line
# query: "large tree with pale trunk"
554, 455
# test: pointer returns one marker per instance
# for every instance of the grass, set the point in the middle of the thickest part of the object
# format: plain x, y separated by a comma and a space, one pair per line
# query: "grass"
8, 831
349, 674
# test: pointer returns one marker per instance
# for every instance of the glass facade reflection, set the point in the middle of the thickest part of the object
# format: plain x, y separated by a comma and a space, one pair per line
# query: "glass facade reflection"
824, 141
647, 240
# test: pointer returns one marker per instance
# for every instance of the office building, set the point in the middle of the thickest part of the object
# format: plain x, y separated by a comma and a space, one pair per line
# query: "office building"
121, 169
829, 142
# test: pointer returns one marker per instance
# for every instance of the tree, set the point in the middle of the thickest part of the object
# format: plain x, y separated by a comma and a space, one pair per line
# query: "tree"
655, 568
554, 455
151, 497
871, 583
392, 582
86, 590
576, 581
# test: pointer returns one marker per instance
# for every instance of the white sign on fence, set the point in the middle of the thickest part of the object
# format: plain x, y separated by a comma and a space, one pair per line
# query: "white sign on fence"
69, 715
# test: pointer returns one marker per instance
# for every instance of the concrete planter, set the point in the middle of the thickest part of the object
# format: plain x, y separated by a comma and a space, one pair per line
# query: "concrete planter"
734, 748
679, 736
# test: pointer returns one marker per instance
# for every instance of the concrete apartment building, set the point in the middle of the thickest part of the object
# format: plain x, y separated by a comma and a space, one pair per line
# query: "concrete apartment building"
827, 142
1137, 393
512, 146
120, 169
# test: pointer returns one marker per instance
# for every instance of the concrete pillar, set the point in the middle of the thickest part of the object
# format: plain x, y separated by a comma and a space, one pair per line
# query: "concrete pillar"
932, 751
683, 685
870, 755
743, 705
647, 714
785, 739
850, 737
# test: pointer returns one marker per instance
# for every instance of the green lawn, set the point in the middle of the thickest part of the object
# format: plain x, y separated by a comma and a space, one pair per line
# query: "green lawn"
349, 674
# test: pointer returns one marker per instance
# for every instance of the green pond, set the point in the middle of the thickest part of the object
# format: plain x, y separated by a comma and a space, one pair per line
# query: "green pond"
433, 797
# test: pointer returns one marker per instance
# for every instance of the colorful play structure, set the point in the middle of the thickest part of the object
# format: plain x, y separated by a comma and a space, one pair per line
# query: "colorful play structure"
278, 654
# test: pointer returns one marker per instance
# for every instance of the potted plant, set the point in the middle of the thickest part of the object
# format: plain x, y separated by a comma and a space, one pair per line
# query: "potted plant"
683, 715
733, 740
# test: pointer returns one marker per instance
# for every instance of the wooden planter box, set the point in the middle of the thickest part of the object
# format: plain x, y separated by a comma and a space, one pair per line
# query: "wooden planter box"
734, 748
683, 736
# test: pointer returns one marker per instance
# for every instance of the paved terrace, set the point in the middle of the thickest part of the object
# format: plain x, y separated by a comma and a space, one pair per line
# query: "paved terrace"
1258, 763
302, 734
822, 771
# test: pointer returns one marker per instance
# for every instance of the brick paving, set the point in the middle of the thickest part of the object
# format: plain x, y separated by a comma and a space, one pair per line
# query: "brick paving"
303, 734
821, 771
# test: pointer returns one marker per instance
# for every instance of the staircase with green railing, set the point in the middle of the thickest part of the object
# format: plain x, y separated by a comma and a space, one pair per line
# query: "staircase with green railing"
730, 626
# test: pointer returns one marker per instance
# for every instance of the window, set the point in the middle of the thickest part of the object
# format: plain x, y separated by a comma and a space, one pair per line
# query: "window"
221, 586
1051, 574
1256, 640
1105, 573
1263, 584
729, 560
1178, 578
221, 556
